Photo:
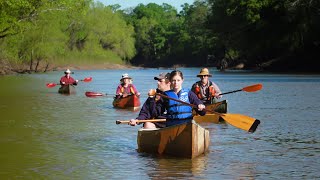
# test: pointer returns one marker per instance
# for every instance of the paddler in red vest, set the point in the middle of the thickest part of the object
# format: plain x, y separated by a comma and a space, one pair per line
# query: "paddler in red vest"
206, 90
67, 79
126, 87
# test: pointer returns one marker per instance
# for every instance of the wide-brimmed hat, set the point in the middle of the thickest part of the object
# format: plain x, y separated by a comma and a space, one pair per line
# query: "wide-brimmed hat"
162, 76
67, 71
204, 72
125, 76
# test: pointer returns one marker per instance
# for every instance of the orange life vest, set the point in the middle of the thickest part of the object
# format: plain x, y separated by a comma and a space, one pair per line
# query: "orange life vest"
201, 95
131, 89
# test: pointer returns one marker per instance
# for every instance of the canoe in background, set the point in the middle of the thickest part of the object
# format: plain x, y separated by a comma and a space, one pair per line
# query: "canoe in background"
221, 107
131, 101
67, 89
186, 140
93, 94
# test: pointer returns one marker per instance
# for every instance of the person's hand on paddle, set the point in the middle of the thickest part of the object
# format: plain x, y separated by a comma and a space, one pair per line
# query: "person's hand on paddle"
133, 122
217, 95
201, 107
152, 93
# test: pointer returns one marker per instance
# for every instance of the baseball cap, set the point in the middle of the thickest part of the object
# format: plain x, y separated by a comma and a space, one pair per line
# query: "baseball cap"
162, 76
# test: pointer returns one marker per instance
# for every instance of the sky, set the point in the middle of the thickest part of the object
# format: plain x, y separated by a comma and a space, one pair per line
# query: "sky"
133, 3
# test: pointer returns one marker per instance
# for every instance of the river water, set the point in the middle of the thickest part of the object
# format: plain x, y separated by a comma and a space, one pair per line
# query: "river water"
46, 135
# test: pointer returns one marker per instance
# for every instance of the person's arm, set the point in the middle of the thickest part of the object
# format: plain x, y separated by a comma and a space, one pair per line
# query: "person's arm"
217, 90
145, 110
62, 80
193, 88
73, 81
135, 90
118, 91
196, 101
144, 113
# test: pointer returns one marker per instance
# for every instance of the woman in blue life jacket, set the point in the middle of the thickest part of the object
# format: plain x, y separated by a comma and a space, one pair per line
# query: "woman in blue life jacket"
178, 112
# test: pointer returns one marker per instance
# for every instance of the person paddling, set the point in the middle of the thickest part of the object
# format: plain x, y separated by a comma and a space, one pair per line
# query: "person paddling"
67, 79
163, 84
178, 112
126, 87
207, 91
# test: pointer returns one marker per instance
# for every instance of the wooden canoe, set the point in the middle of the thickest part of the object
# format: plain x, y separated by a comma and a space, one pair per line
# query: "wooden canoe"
129, 102
186, 140
221, 107
67, 89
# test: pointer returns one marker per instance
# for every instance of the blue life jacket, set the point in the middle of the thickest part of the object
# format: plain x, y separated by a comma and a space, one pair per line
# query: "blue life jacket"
177, 110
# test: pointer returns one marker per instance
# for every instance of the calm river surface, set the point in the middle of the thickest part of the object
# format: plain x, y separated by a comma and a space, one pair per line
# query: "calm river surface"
46, 135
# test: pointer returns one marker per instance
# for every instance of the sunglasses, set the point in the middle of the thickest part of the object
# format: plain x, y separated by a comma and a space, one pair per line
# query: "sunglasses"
204, 76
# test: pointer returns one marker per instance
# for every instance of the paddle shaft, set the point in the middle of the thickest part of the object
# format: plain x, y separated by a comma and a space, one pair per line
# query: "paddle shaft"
230, 92
140, 121
182, 102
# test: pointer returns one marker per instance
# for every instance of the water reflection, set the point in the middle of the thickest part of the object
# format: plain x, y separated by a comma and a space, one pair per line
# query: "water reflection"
163, 166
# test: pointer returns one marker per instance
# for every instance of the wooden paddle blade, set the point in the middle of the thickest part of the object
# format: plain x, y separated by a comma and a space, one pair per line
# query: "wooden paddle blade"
50, 85
88, 79
252, 88
241, 121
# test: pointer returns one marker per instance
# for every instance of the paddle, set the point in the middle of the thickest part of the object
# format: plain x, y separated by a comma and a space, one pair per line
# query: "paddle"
141, 121
95, 94
51, 85
99, 94
252, 88
238, 120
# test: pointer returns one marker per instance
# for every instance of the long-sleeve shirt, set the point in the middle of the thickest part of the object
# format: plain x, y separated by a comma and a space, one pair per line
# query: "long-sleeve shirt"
146, 111
67, 80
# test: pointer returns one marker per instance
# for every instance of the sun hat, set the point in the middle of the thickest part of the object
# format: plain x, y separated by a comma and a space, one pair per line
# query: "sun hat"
67, 71
204, 72
162, 76
125, 76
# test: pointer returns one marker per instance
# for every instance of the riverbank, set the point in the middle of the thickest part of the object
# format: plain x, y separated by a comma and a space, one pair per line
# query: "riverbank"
9, 68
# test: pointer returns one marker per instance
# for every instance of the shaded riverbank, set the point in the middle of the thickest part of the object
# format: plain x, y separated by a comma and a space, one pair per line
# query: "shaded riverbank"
9, 68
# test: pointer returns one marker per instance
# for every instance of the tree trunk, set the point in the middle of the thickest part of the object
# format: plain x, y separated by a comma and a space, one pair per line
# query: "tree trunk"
31, 61
37, 65
46, 68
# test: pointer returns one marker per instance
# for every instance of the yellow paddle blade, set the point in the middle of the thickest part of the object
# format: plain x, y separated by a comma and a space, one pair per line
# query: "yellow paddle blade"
241, 121
252, 88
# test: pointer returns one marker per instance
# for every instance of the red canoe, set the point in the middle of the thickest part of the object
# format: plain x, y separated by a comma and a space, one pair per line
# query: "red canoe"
132, 101
93, 94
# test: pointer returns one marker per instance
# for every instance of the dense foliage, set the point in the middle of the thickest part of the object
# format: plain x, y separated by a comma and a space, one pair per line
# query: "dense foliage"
269, 34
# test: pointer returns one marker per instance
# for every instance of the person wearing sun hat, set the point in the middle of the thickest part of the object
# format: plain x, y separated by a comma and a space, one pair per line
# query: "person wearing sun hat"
67, 79
126, 87
207, 91
163, 84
